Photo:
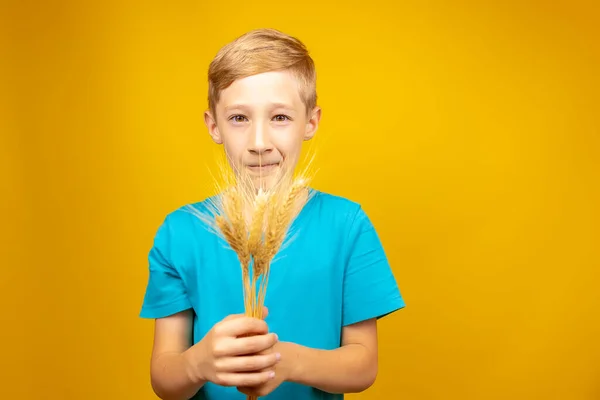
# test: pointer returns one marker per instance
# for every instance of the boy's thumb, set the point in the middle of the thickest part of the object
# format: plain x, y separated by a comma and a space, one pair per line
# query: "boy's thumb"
233, 316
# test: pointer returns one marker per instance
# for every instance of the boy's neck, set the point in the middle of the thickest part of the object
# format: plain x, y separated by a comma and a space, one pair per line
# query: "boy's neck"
299, 203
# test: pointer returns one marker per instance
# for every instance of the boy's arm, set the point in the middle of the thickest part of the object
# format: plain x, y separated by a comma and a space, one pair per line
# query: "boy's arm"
351, 368
169, 372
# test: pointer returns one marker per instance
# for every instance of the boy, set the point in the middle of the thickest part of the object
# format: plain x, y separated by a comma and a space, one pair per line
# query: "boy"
327, 288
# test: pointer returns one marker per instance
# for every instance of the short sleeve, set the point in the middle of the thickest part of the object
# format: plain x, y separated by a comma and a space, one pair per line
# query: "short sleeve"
370, 288
165, 291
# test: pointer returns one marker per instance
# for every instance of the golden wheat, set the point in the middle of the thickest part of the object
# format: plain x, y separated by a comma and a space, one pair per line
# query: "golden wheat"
254, 222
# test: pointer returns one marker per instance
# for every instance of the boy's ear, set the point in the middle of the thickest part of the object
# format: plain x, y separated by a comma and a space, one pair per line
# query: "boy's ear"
313, 123
213, 130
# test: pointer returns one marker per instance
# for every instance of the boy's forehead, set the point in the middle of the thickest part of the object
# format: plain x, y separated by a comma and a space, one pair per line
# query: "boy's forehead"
269, 88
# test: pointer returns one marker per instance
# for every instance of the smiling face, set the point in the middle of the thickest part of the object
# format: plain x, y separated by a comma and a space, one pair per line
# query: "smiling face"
262, 121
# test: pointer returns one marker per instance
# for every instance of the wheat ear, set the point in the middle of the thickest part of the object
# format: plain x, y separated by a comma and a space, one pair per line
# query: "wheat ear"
279, 218
255, 240
235, 232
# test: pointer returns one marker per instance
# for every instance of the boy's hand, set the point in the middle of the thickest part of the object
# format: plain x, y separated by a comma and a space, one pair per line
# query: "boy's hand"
283, 371
235, 352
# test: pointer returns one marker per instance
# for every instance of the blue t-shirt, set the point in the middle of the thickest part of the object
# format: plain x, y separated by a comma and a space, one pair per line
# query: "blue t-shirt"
333, 273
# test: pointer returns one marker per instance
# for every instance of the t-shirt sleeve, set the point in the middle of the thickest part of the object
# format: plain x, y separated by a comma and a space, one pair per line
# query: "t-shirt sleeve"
166, 292
370, 288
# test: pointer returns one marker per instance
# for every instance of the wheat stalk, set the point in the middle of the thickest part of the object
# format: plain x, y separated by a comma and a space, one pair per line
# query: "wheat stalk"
255, 223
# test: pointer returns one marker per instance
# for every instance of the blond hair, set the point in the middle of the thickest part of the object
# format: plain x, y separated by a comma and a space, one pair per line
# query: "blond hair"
259, 51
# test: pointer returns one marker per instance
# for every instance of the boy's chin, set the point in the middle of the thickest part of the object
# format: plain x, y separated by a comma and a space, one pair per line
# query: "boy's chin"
264, 182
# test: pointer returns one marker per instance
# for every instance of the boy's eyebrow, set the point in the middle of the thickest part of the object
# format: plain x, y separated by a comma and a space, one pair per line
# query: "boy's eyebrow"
283, 105
232, 106
273, 105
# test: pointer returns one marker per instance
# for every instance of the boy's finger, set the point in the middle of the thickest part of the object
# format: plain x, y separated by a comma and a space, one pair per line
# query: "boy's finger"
254, 363
251, 344
245, 326
244, 379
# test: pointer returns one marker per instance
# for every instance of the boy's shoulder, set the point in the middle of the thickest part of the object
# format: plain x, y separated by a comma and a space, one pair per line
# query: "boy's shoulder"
334, 205
335, 200
193, 217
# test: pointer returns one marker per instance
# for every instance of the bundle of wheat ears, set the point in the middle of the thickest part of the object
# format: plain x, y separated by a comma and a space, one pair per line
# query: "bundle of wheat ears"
255, 221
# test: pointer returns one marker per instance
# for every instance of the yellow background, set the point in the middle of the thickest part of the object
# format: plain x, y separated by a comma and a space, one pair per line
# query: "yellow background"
468, 130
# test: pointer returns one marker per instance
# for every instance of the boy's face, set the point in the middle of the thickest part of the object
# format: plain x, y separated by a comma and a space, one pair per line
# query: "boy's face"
262, 122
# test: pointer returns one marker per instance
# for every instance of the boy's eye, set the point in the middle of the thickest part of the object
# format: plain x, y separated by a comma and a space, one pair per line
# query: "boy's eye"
281, 118
237, 118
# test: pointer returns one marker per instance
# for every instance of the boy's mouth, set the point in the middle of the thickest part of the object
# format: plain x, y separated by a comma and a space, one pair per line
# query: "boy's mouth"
262, 167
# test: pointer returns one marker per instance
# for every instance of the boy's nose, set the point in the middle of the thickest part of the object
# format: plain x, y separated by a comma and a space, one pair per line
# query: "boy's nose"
259, 142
